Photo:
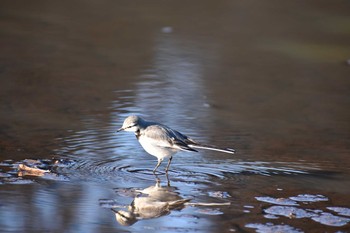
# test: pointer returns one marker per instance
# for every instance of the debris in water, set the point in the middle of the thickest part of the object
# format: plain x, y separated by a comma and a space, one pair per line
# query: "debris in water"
271, 216
210, 211
219, 194
24, 170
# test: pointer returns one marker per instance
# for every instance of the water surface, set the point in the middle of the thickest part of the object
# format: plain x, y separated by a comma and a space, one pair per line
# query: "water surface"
267, 79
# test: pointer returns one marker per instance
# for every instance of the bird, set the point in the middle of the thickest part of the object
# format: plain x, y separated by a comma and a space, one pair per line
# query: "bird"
163, 142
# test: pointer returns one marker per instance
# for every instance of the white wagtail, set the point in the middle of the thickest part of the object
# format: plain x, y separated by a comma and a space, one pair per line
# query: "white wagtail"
162, 141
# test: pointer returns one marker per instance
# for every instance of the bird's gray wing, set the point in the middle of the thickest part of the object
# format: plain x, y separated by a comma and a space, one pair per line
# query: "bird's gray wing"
163, 136
193, 144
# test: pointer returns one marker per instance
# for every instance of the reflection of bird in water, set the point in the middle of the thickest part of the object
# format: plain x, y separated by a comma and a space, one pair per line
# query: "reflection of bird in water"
152, 202
162, 141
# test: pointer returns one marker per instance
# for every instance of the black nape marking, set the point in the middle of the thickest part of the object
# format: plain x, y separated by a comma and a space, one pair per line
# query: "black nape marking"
137, 134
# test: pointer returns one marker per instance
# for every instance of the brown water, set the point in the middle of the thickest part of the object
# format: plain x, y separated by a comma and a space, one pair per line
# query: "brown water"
270, 79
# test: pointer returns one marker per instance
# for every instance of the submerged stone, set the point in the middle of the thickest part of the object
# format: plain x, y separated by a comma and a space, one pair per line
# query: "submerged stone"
277, 201
289, 212
340, 210
331, 220
269, 228
309, 198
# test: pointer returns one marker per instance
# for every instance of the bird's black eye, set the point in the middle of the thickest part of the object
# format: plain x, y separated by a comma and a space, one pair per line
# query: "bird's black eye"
131, 126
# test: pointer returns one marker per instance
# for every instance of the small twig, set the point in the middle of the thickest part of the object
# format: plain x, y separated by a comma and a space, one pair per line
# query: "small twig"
25, 170
207, 204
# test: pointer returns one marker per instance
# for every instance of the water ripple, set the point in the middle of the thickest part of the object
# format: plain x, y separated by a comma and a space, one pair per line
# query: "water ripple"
94, 167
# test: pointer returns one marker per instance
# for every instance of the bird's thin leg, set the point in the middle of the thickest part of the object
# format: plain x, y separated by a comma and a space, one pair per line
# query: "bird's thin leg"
167, 178
158, 164
167, 167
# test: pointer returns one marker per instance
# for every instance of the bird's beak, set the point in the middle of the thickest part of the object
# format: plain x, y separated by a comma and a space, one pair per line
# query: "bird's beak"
121, 129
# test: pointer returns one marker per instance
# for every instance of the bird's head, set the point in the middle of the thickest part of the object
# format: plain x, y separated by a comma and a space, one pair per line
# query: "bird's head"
131, 123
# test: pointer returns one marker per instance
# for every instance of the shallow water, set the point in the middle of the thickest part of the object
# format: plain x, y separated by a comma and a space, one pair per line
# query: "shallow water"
258, 77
